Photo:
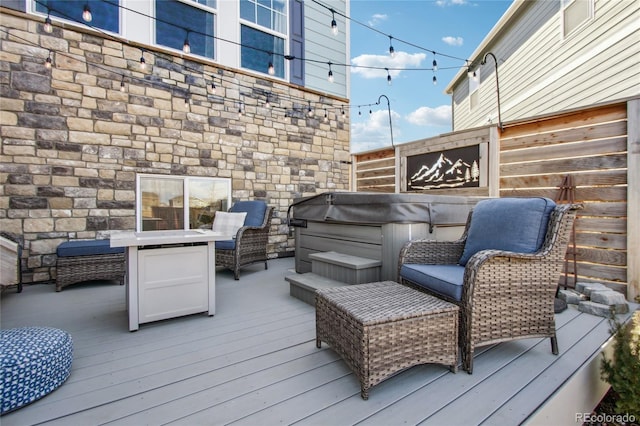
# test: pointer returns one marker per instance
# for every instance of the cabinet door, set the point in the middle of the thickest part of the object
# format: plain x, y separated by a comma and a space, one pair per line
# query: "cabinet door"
172, 282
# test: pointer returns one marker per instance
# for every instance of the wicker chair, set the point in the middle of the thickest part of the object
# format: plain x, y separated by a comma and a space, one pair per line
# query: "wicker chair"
250, 243
503, 295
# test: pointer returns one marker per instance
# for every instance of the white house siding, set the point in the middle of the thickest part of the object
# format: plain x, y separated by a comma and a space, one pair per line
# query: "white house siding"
541, 72
321, 45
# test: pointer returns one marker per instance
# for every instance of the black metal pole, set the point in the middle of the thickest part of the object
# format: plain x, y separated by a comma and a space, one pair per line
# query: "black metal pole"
389, 110
495, 60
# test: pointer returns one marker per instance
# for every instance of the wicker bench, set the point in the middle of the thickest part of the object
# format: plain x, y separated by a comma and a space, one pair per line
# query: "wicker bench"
87, 260
384, 327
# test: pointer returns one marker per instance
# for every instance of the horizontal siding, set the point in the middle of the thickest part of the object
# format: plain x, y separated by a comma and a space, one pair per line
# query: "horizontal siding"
321, 45
546, 73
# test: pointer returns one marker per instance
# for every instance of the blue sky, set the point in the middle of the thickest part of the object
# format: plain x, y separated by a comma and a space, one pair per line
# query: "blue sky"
419, 109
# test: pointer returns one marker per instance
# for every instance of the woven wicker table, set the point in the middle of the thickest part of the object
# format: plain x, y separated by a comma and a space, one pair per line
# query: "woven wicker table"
384, 327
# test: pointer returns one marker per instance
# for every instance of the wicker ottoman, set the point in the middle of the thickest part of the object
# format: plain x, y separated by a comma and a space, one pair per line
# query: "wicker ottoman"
88, 260
382, 328
33, 362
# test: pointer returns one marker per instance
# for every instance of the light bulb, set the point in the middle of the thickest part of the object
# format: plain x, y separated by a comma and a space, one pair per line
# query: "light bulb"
392, 51
86, 13
334, 24
330, 76
143, 63
186, 47
213, 87
48, 63
435, 65
271, 70
122, 88
48, 26
435, 80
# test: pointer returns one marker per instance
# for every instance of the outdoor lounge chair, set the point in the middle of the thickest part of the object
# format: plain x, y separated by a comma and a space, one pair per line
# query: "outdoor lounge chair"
249, 244
503, 272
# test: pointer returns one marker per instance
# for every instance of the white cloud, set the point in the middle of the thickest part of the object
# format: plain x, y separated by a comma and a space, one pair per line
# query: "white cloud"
453, 41
443, 3
400, 60
376, 18
426, 116
372, 131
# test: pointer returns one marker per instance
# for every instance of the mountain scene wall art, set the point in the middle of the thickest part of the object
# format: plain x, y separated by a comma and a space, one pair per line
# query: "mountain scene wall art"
453, 168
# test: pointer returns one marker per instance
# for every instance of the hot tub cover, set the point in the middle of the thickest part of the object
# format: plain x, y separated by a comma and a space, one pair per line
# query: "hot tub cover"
376, 208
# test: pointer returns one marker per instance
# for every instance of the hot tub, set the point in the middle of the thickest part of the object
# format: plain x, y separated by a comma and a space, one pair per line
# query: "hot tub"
374, 225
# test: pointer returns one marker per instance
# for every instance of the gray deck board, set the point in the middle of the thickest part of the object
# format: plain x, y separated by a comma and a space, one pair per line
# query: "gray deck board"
255, 363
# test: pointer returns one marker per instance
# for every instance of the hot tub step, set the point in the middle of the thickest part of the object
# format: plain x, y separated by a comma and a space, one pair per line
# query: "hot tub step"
304, 286
345, 268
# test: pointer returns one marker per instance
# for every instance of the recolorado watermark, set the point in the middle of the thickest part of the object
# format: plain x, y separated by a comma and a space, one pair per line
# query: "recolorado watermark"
605, 418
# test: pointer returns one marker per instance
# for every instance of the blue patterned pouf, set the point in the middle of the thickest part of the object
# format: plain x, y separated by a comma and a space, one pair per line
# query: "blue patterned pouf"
33, 362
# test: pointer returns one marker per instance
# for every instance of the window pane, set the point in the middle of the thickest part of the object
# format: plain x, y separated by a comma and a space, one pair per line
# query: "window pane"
199, 23
248, 10
264, 17
258, 59
210, 3
278, 6
162, 202
575, 14
206, 197
106, 15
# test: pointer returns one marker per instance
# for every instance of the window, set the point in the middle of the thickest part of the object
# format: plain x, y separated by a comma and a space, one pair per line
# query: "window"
179, 202
263, 32
177, 21
474, 93
105, 15
575, 13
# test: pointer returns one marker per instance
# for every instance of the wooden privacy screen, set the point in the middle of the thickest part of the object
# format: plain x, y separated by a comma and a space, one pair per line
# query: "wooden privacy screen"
375, 171
590, 145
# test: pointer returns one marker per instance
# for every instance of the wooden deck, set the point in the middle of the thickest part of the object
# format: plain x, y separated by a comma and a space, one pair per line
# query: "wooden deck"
255, 363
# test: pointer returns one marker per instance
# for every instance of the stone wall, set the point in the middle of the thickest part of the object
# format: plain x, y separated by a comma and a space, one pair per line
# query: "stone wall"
73, 142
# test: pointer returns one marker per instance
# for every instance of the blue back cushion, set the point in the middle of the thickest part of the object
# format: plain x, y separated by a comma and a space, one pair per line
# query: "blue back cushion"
255, 211
512, 224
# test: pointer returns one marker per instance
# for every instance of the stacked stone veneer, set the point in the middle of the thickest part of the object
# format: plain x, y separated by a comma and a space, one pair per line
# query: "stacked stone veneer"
595, 298
73, 142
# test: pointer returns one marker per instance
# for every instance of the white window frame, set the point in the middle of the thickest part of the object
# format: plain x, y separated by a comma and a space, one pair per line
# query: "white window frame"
564, 6
31, 5
185, 194
196, 5
258, 27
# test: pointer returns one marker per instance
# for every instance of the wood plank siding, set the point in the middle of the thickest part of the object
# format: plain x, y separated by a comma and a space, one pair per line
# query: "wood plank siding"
591, 145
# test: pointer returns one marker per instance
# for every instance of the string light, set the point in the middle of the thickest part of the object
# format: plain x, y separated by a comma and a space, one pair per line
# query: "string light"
334, 24
122, 88
239, 109
435, 80
388, 77
48, 26
143, 63
86, 13
213, 85
392, 51
326, 116
435, 63
186, 47
48, 63
330, 74
267, 103
309, 110
270, 69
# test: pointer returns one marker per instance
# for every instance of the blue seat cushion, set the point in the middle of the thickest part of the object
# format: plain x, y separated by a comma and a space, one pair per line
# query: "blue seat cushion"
255, 211
226, 245
445, 280
86, 248
511, 224
33, 362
